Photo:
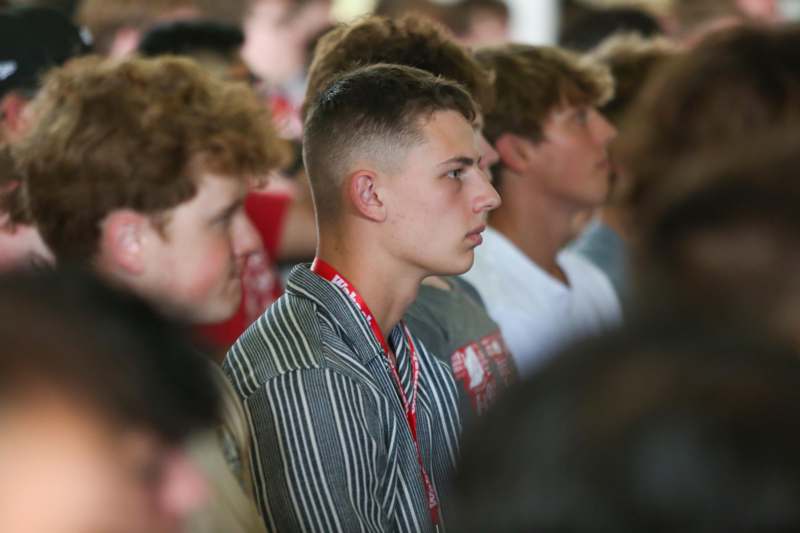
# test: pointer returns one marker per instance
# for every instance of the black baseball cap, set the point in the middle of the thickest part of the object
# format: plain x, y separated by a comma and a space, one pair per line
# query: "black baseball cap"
33, 40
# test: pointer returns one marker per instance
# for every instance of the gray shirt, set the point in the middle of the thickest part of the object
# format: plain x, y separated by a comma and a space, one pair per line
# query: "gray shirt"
455, 327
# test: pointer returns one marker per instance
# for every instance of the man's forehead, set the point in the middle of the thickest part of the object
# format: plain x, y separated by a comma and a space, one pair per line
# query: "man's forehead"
450, 133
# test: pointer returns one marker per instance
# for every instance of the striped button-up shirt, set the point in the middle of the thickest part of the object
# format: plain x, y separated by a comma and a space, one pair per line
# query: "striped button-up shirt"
332, 446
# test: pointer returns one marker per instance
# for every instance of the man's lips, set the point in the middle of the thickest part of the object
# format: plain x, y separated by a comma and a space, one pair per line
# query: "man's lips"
475, 235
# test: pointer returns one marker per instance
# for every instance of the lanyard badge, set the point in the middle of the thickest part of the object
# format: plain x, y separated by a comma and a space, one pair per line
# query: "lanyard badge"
329, 273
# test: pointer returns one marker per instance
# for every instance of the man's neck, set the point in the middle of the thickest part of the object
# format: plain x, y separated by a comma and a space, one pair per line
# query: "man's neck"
537, 226
386, 287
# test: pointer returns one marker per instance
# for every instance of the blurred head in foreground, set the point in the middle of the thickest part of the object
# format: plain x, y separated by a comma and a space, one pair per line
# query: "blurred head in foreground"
666, 427
97, 394
721, 235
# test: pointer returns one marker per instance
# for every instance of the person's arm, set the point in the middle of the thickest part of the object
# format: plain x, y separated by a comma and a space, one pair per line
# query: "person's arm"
320, 461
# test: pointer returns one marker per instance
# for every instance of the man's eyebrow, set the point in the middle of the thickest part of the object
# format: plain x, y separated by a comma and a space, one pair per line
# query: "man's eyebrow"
461, 159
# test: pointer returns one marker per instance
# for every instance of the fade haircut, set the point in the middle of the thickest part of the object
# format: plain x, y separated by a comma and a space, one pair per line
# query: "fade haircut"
135, 134
374, 113
536, 80
732, 86
411, 40
105, 350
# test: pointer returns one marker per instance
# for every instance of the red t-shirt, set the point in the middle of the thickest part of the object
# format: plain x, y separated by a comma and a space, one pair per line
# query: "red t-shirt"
261, 283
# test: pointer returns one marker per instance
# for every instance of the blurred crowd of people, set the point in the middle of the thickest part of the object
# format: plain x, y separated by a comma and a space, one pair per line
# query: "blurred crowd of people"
262, 270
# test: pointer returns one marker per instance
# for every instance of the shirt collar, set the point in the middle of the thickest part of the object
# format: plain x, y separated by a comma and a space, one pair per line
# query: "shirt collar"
342, 311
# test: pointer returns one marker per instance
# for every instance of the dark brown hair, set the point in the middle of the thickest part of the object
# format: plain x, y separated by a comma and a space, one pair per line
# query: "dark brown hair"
134, 134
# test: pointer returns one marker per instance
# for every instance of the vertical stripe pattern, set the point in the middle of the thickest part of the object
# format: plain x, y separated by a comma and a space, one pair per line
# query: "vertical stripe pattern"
332, 451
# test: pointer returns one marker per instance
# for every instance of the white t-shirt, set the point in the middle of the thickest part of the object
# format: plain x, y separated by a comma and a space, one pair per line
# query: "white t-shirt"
537, 313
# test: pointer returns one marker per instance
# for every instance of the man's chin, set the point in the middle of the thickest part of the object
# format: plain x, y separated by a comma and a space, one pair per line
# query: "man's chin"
458, 266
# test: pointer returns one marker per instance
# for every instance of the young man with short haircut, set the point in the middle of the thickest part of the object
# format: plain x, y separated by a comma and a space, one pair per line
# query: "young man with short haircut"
139, 169
448, 316
355, 424
554, 165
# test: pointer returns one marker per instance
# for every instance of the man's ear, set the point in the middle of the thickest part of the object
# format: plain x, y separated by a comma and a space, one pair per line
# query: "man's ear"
514, 152
363, 193
122, 240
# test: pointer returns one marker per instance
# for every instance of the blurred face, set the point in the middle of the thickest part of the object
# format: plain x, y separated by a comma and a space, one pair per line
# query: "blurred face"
193, 265
277, 34
486, 29
438, 204
65, 470
571, 164
489, 155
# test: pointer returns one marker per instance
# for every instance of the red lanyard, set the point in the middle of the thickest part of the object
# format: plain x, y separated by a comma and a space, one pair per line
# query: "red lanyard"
326, 271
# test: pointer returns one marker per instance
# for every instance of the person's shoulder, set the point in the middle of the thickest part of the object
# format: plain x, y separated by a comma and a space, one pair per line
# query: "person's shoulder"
578, 265
295, 335
588, 280
467, 289
289, 336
